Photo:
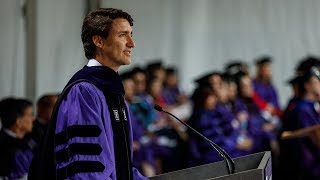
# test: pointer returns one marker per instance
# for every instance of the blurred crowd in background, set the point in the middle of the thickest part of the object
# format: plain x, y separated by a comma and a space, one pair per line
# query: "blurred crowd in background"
237, 110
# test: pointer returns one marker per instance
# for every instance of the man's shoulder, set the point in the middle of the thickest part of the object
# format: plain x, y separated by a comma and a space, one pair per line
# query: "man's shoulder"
83, 91
84, 87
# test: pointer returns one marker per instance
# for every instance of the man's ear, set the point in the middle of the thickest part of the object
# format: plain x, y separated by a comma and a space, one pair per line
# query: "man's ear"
97, 40
18, 122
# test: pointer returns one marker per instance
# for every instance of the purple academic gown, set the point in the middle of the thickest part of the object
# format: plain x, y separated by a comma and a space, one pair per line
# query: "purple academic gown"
170, 95
145, 152
88, 116
302, 155
261, 139
218, 129
267, 92
85, 104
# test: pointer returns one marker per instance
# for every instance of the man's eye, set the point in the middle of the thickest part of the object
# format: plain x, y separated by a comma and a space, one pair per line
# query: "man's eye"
121, 35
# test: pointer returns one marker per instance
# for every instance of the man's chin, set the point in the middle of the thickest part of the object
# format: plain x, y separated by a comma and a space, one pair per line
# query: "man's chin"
127, 62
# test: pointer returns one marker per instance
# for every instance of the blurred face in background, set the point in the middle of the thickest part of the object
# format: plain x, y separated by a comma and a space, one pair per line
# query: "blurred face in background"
215, 82
222, 92
265, 72
129, 88
210, 102
172, 80
140, 82
232, 90
313, 86
25, 122
155, 88
160, 74
246, 88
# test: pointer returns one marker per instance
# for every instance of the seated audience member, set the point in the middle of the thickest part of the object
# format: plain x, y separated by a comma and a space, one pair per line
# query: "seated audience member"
177, 101
155, 69
265, 90
264, 131
139, 77
142, 103
172, 93
213, 124
16, 153
212, 79
143, 158
168, 133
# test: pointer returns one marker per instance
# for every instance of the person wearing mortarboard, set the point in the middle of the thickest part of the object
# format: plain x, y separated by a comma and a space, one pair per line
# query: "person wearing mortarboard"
294, 83
214, 119
306, 63
246, 109
261, 130
301, 69
300, 157
236, 66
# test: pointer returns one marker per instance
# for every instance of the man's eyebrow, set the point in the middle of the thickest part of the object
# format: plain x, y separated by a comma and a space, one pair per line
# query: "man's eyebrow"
126, 32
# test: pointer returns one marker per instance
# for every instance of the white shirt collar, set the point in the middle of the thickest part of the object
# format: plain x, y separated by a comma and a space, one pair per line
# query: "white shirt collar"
93, 62
10, 133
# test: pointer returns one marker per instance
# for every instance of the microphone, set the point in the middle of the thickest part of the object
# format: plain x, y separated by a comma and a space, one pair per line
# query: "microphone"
223, 154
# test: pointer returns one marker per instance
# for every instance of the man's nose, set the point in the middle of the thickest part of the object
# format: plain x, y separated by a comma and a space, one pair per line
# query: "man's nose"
131, 42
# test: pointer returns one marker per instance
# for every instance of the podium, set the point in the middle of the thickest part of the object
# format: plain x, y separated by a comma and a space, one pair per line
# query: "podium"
256, 166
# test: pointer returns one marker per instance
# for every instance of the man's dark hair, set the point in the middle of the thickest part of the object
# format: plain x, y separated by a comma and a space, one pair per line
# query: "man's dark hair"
11, 109
99, 23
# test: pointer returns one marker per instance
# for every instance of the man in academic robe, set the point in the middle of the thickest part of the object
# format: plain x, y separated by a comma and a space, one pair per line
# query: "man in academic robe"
90, 135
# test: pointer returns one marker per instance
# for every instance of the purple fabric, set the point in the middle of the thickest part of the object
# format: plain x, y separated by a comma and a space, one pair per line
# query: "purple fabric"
22, 160
138, 129
239, 106
261, 139
16, 156
216, 125
145, 152
302, 154
267, 92
85, 104
170, 95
